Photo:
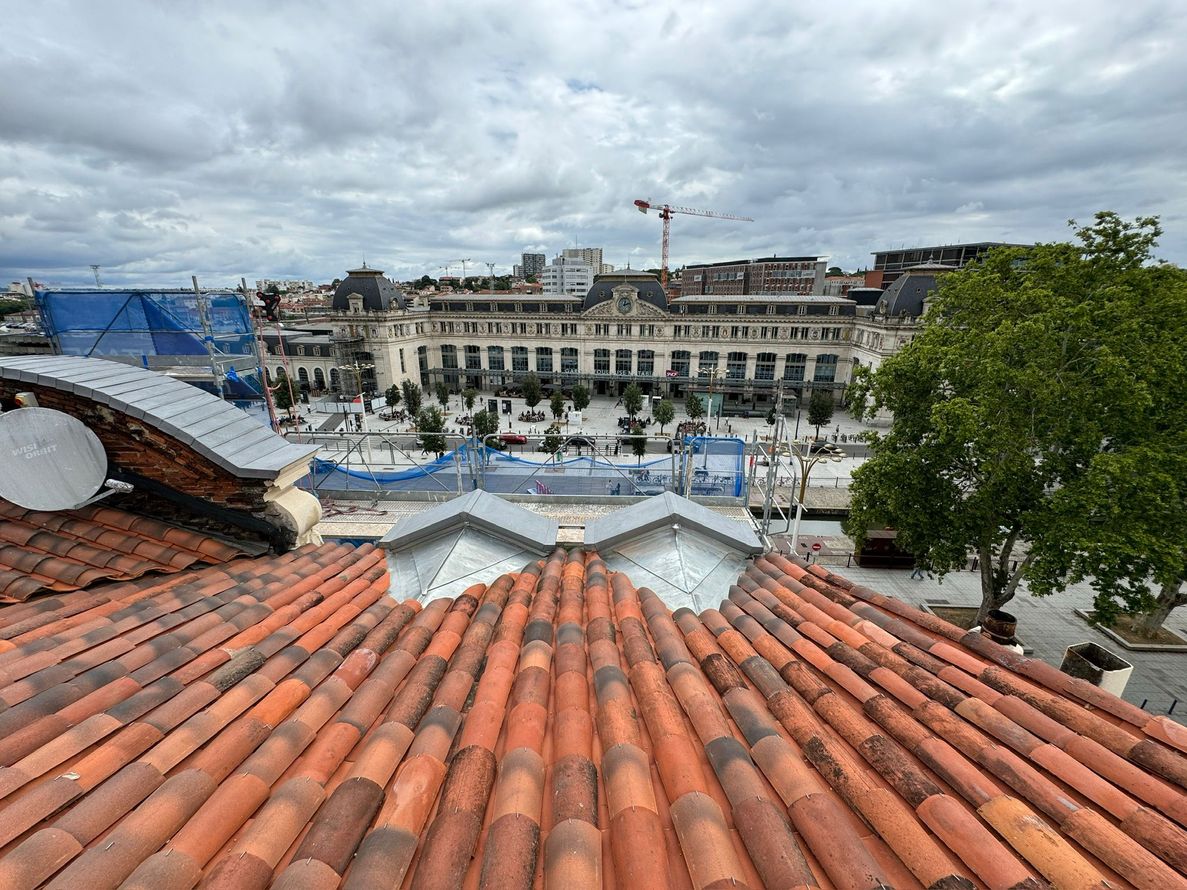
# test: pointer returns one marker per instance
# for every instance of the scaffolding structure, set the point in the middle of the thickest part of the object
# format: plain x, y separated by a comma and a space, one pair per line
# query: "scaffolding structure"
205, 336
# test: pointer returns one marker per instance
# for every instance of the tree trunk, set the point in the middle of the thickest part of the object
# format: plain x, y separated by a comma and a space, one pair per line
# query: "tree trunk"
1149, 623
999, 582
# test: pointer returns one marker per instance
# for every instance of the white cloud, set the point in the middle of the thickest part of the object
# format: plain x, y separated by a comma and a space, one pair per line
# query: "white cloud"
230, 139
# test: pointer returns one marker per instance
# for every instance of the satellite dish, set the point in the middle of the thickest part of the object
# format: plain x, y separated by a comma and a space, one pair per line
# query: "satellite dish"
49, 460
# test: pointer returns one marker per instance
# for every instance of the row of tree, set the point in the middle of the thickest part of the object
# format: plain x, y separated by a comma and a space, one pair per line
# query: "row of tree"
1040, 424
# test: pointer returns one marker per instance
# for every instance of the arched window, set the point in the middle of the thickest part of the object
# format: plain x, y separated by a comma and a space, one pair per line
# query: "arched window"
681, 359
622, 361
319, 379
601, 361
303, 378
334, 385
708, 363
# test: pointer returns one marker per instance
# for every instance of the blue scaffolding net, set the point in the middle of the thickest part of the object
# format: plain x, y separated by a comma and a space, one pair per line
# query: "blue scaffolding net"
709, 467
157, 329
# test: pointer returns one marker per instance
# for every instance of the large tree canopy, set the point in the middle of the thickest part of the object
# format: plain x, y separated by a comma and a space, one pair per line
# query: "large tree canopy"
1039, 422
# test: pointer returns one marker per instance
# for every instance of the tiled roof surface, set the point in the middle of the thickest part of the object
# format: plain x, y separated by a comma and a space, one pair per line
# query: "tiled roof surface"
72, 549
284, 722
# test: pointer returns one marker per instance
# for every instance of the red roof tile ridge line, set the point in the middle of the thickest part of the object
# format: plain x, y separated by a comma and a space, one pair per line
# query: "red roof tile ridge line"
138, 664
449, 842
699, 821
815, 810
1127, 744
573, 845
637, 845
822, 725
1148, 827
517, 796
198, 838
1035, 669
1105, 841
233, 803
153, 720
174, 800
761, 820
112, 615
391, 841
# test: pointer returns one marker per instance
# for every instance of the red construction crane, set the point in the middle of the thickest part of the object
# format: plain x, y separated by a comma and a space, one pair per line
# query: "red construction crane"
665, 212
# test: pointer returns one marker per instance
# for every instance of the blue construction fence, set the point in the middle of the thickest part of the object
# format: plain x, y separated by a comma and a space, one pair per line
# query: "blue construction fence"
709, 466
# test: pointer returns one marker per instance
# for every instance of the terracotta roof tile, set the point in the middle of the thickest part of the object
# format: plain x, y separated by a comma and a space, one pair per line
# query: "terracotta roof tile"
282, 721
65, 551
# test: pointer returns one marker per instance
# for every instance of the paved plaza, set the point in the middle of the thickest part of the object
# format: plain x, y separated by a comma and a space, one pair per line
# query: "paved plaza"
600, 418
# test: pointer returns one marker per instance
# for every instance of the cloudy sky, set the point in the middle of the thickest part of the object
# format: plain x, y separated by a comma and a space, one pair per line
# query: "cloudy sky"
294, 139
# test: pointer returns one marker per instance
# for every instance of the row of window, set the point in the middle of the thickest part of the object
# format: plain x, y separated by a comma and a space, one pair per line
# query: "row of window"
642, 363
679, 332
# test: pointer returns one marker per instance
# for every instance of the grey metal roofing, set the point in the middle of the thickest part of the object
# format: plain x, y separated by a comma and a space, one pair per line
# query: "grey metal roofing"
760, 298
665, 511
379, 293
906, 294
648, 286
210, 426
481, 510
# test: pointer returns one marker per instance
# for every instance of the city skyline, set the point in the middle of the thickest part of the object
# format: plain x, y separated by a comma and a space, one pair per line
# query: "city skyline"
224, 142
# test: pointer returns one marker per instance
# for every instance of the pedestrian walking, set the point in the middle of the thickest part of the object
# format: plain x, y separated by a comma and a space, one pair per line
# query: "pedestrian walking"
917, 573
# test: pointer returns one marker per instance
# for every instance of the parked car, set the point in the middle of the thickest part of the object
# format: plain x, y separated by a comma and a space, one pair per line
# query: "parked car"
513, 438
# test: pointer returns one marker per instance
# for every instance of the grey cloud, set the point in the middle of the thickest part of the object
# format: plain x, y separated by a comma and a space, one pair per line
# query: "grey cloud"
248, 139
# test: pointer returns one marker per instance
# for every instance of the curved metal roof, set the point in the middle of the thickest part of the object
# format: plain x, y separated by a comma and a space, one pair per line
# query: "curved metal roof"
648, 286
199, 420
379, 293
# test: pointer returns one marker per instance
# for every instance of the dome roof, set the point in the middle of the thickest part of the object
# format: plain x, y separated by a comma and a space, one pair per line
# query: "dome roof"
906, 294
648, 286
378, 293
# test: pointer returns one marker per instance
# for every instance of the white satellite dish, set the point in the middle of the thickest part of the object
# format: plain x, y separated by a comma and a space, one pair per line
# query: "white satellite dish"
51, 461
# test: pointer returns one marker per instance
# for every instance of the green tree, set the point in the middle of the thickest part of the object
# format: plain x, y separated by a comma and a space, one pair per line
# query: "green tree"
857, 392
442, 392
430, 423
664, 414
283, 394
552, 439
486, 423
639, 446
412, 397
469, 397
694, 407
10, 307
557, 404
820, 409
580, 397
425, 282
834, 270
1038, 422
771, 417
392, 396
632, 400
532, 391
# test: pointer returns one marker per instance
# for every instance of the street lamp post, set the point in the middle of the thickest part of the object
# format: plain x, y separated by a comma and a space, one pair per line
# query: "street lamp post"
807, 461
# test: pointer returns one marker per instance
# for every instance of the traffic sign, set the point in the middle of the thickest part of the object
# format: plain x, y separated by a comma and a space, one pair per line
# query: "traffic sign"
816, 547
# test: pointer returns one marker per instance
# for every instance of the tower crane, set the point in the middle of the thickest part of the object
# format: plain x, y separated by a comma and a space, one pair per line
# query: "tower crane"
665, 212
463, 262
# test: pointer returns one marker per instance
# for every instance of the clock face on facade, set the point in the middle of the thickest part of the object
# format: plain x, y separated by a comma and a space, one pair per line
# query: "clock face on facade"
624, 305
